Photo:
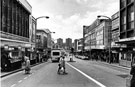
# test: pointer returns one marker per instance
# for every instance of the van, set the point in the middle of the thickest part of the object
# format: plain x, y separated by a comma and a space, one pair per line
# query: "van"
55, 55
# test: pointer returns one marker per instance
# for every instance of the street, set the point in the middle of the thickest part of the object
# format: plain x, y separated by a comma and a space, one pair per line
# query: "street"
81, 73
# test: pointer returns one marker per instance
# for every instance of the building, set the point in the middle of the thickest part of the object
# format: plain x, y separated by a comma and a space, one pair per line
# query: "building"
75, 45
115, 36
127, 32
41, 42
60, 42
32, 39
68, 43
96, 38
80, 45
15, 33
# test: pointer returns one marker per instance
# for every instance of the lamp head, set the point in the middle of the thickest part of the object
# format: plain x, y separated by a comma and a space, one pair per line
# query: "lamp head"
47, 17
98, 16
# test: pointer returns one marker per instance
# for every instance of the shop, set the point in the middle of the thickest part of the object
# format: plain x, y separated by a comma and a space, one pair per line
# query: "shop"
12, 52
11, 58
127, 54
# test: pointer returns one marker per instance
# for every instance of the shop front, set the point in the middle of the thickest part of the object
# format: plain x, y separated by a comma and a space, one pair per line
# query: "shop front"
127, 54
12, 52
11, 58
127, 58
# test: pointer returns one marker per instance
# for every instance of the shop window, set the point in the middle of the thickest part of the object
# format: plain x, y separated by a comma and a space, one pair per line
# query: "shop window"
123, 56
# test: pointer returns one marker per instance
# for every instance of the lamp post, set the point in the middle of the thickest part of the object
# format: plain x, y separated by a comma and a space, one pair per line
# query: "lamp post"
47, 17
109, 35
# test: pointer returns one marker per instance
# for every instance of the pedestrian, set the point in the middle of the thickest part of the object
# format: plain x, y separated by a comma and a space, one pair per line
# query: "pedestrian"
27, 65
132, 72
62, 65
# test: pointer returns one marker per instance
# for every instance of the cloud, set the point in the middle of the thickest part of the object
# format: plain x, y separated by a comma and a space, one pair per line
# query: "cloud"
67, 17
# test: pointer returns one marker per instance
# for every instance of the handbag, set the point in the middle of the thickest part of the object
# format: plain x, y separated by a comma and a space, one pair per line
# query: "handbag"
27, 68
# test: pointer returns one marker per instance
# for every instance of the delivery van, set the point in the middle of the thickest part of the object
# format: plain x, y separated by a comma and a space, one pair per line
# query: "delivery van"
55, 55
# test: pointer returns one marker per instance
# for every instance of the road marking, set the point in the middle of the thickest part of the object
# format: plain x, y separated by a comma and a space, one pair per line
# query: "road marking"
98, 83
29, 75
13, 85
20, 81
25, 77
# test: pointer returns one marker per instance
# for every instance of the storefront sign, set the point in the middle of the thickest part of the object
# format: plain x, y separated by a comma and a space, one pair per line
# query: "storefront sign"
27, 45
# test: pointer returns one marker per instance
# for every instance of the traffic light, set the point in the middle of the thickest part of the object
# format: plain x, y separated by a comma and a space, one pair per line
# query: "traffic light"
72, 50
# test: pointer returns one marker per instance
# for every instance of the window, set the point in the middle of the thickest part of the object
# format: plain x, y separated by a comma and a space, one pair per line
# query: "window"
128, 55
132, 16
122, 3
129, 1
123, 28
132, 25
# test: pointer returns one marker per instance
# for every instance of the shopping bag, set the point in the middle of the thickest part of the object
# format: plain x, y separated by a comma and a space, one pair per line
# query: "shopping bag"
128, 81
23, 65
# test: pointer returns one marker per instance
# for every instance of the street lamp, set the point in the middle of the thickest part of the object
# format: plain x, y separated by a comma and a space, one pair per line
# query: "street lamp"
49, 37
109, 35
47, 17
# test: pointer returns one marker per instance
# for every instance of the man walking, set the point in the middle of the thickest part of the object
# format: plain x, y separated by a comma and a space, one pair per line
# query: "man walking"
62, 65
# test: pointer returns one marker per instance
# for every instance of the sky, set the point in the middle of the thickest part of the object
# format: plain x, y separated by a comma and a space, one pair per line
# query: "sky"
67, 17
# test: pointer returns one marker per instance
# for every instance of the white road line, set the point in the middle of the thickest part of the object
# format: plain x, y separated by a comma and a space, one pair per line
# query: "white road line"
29, 75
25, 77
13, 85
98, 83
20, 81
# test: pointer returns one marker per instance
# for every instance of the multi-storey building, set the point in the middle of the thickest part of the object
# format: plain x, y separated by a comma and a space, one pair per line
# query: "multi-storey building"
103, 36
115, 36
49, 40
80, 45
75, 45
15, 32
41, 42
127, 32
97, 36
60, 42
68, 43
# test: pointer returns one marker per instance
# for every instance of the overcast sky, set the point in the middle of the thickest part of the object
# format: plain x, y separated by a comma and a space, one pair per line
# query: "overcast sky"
67, 17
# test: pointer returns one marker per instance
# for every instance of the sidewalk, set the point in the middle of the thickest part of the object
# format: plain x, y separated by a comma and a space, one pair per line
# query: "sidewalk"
115, 65
3, 74
112, 64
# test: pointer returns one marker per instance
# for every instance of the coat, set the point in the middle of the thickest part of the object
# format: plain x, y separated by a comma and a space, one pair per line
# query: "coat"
132, 72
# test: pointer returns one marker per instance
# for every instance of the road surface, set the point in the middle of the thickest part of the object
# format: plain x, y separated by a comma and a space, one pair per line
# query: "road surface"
81, 73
